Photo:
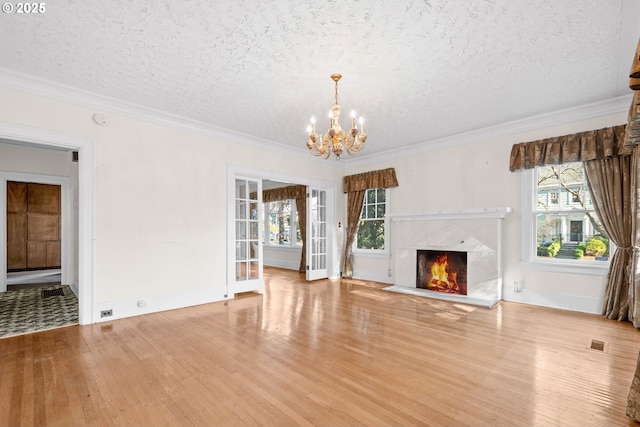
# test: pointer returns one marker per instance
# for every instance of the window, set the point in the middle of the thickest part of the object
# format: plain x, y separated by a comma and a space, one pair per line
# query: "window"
372, 230
576, 197
563, 223
281, 223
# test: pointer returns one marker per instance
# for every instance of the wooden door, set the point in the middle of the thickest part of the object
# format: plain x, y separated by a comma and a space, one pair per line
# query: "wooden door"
576, 231
33, 226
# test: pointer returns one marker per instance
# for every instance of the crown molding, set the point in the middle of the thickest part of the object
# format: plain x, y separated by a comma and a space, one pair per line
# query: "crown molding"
42, 87
477, 213
617, 105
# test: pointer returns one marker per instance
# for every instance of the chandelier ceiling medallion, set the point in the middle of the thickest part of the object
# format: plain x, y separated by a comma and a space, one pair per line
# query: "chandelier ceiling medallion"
336, 138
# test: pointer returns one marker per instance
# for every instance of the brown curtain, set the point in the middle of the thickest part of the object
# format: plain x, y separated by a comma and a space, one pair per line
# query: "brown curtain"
632, 132
284, 193
632, 139
635, 65
633, 400
299, 194
355, 186
583, 146
355, 200
384, 178
634, 126
611, 183
301, 205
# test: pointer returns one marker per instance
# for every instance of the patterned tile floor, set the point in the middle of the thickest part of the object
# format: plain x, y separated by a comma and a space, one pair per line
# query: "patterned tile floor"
26, 310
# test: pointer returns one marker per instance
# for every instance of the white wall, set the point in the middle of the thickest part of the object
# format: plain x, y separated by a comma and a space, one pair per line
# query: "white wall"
41, 161
476, 175
159, 200
288, 258
159, 231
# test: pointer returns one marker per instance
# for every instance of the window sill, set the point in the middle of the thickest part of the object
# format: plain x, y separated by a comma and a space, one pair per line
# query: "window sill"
579, 267
282, 248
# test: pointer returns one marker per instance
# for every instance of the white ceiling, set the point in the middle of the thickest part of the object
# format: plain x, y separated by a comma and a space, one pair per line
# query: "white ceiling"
418, 71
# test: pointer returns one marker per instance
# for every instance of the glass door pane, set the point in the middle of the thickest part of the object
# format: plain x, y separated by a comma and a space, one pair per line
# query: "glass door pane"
248, 252
317, 234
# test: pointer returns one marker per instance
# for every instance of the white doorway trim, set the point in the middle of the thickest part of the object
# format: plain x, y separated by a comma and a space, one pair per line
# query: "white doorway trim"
333, 239
67, 223
41, 137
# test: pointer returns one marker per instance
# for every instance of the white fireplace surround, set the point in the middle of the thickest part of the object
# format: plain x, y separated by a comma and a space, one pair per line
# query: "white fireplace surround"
475, 231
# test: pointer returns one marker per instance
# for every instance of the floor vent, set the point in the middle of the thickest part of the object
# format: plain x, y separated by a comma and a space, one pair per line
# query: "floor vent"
52, 292
597, 345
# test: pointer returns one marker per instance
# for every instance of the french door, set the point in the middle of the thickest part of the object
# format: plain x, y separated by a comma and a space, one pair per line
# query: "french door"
317, 250
246, 274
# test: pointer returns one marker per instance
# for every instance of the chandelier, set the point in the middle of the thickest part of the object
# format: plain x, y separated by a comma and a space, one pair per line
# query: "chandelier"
336, 138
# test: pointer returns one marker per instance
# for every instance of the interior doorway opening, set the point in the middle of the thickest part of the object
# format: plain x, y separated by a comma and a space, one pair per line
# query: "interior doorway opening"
34, 234
280, 244
79, 200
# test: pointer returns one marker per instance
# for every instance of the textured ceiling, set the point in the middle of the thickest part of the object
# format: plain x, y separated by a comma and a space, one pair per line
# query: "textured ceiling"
416, 70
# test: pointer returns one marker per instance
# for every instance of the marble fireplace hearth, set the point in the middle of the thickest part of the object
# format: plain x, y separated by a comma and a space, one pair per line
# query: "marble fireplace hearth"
477, 232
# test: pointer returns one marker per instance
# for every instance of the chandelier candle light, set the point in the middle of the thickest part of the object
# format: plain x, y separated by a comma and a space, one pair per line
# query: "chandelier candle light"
336, 137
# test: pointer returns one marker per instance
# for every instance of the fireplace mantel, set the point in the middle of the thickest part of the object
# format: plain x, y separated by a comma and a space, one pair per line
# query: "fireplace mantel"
478, 232
498, 213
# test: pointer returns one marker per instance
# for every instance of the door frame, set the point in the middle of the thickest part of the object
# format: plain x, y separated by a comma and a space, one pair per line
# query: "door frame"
333, 240
35, 137
319, 273
66, 237
233, 285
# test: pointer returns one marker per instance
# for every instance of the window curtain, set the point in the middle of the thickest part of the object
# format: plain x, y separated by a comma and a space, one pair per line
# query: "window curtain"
632, 132
632, 139
610, 168
355, 186
578, 147
301, 206
299, 194
611, 183
355, 200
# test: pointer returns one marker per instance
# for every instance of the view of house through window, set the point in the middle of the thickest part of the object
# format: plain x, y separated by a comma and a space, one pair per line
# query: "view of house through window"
567, 227
282, 223
371, 230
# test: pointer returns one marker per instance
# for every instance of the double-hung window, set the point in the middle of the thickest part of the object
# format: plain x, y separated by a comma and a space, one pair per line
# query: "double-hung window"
560, 224
372, 235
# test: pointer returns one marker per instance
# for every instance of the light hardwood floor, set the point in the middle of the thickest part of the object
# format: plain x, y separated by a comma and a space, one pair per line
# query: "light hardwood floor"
329, 353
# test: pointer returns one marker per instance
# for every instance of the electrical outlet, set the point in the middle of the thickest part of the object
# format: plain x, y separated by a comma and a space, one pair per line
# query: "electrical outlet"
106, 313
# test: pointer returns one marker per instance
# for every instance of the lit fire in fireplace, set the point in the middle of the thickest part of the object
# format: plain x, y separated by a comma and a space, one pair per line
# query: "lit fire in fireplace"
442, 271
441, 279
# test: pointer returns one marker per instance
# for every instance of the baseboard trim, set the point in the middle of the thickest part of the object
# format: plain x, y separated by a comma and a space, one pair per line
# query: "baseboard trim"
295, 265
553, 300
157, 303
74, 288
374, 276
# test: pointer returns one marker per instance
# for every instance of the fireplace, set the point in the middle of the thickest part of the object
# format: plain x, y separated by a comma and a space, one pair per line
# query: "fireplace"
442, 271
471, 239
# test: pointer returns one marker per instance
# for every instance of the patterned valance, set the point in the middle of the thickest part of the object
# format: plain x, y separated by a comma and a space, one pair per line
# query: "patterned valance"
284, 193
632, 135
384, 178
635, 65
578, 147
